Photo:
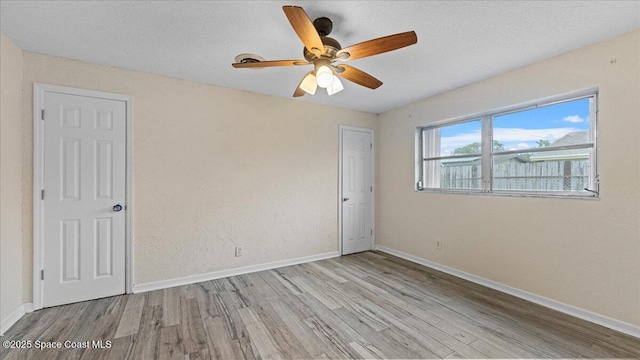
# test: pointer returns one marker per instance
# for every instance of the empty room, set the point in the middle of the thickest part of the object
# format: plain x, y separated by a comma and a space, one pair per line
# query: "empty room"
319, 179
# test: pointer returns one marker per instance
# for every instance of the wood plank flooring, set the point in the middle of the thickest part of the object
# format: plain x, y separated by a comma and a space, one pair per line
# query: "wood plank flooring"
366, 305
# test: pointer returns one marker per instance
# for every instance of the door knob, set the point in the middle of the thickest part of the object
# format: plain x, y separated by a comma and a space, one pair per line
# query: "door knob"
117, 207
345, 199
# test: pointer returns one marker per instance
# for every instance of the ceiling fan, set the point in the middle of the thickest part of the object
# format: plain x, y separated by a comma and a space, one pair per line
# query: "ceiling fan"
324, 52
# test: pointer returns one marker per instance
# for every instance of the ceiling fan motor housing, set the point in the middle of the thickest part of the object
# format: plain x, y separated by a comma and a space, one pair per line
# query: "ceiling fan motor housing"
331, 47
323, 26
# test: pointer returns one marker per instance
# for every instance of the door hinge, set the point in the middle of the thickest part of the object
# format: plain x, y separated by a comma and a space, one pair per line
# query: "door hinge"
42, 114
371, 231
370, 145
371, 188
42, 274
42, 194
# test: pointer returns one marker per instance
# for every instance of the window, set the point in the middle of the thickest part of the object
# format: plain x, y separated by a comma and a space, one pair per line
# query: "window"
542, 148
452, 155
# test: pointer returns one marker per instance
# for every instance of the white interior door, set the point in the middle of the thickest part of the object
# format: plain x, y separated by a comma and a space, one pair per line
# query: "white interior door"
83, 199
357, 191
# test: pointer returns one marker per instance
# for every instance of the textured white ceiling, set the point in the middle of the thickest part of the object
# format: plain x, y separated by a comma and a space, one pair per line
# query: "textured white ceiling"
458, 42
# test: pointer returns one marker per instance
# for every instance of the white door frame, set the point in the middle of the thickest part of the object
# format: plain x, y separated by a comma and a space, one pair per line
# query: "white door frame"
373, 178
38, 182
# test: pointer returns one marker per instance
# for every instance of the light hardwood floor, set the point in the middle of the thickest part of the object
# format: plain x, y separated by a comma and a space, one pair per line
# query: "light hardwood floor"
367, 305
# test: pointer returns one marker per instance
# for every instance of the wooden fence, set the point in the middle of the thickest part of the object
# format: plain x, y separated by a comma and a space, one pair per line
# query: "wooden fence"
565, 175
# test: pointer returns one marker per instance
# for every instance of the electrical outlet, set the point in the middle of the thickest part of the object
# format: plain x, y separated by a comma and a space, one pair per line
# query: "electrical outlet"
439, 244
238, 251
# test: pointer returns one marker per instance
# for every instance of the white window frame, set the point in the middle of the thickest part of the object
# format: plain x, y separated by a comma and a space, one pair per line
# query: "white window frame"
487, 154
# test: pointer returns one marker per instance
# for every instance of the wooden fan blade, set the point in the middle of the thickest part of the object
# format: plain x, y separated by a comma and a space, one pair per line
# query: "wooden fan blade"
358, 76
299, 92
304, 28
379, 45
261, 64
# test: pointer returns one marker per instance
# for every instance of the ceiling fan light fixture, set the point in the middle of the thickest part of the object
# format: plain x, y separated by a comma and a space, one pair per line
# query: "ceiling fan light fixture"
309, 84
324, 76
335, 87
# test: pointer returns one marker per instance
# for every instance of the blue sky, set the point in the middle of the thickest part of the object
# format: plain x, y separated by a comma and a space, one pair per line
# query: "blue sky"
523, 129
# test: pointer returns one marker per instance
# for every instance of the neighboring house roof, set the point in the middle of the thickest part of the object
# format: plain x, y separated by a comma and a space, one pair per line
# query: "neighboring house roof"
572, 138
497, 159
462, 161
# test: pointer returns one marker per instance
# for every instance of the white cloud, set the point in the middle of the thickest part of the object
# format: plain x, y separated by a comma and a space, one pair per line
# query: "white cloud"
523, 146
461, 139
575, 119
524, 135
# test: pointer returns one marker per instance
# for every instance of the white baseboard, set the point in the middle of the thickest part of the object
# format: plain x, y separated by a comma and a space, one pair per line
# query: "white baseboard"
28, 307
605, 321
191, 279
8, 322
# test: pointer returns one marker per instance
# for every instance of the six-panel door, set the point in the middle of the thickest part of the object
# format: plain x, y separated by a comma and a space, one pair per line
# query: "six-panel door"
84, 179
356, 191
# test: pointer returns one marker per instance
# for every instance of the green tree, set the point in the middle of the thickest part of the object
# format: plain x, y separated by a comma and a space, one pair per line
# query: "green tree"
474, 148
543, 143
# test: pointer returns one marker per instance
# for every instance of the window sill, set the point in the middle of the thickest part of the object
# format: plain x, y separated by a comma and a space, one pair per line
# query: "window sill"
559, 195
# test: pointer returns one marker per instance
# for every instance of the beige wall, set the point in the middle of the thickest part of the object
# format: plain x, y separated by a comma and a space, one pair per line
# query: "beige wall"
582, 253
10, 176
214, 167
